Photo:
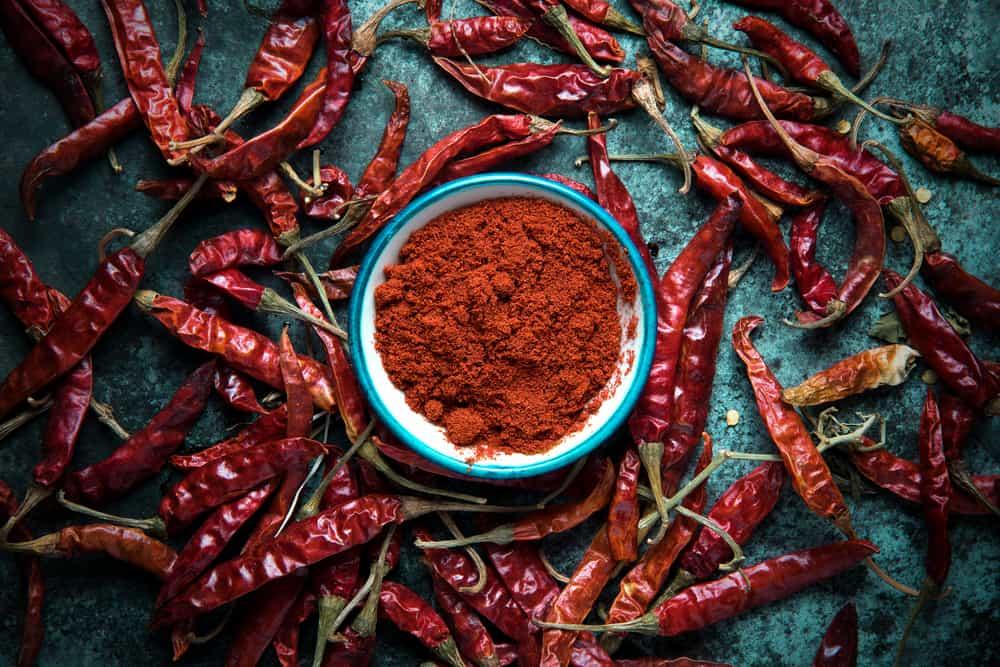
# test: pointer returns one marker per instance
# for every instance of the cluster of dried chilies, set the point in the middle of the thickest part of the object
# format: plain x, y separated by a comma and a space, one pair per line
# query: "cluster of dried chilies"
680, 561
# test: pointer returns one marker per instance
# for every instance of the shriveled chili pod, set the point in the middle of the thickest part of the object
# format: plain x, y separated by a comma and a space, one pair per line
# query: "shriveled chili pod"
473, 639
971, 136
33, 628
67, 31
337, 283
888, 365
240, 247
474, 36
270, 426
572, 185
412, 614
383, 165
498, 155
943, 349
974, 300
623, 512
236, 391
335, 17
936, 151
172, 189
146, 452
243, 349
820, 19
264, 612
839, 647
768, 581
187, 81
297, 398
812, 281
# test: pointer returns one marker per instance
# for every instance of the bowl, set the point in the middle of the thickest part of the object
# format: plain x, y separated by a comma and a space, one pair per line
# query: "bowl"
637, 316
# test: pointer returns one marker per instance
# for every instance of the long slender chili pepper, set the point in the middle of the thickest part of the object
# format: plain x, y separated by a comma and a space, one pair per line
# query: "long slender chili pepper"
246, 351
623, 512
572, 185
957, 420
33, 629
263, 614
536, 525
839, 647
410, 613
297, 399
971, 136
474, 36
801, 63
812, 281
650, 420
172, 189
943, 349
869, 245
768, 581
303, 543
970, 296
474, 640
128, 545
498, 155
546, 90
820, 19
139, 54
42, 57
383, 165
236, 391
64, 27
935, 497
270, 426
337, 35
938, 152
187, 81
240, 247
881, 366
146, 452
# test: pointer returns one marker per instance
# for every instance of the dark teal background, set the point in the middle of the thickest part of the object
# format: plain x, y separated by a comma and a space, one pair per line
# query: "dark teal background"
945, 54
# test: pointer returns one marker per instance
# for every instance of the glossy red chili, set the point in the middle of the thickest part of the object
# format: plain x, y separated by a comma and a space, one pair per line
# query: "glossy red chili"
812, 281
382, 168
33, 628
240, 247
269, 426
264, 612
283, 54
623, 512
474, 640
335, 17
411, 614
970, 296
236, 391
839, 647
498, 155
935, 492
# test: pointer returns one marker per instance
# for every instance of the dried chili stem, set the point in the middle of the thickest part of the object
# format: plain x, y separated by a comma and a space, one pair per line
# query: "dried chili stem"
736, 274
477, 560
651, 454
355, 212
106, 415
370, 453
313, 190
153, 526
272, 302
712, 525
147, 241
959, 472
570, 476
551, 569
19, 420
249, 100
645, 95
559, 19
311, 507
313, 469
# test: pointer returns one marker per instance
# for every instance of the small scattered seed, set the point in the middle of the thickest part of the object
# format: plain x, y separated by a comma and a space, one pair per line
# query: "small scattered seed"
732, 417
843, 126
928, 377
897, 234
924, 195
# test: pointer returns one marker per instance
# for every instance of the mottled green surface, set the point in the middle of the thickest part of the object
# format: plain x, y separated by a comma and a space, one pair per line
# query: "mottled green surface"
97, 612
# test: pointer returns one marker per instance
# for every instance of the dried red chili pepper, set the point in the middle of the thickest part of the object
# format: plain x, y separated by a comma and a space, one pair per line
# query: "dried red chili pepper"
128, 545
382, 168
172, 189
971, 136
572, 185
337, 192
22, 289
263, 614
936, 151
839, 647
188, 79
473, 638
820, 19
63, 26
411, 614
474, 36
145, 453
41, 55
33, 628
297, 398
812, 281
270, 426
337, 283
337, 36
236, 391
226, 478
970, 296
768, 581
139, 54
880, 366
943, 349
211, 537
623, 513
244, 350
240, 247
498, 155
935, 497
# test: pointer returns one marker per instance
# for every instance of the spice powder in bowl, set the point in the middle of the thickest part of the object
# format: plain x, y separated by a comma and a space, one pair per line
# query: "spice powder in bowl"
500, 323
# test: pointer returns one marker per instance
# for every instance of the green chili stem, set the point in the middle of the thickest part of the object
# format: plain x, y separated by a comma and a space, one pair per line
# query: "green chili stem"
153, 526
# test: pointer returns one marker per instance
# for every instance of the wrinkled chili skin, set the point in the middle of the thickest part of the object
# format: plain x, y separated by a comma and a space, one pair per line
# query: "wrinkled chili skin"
236, 391
211, 537
331, 204
820, 19
562, 91
722, 91
128, 545
82, 144
232, 476
21, 288
77, 330
187, 81
765, 181
935, 491
970, 296
810, 475
520, 567
623, 512
172, 189
337, 32
477, 35
243, 349
33, 627
139, 55
46, 62
573, 185
498, 155
382, 167
934, 149
812, 281
720, 182
706, 603
650, 420
297, 398
957, 420
942, 348
71, 401
283, 54
802, 64
269, 426
839, 647
868, 369
472, 637
301, 544
64, 27
971, 136
412, 614
240, 247
262, 617
237, 286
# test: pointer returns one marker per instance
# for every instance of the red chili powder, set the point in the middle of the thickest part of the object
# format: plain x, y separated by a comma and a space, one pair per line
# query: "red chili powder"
500, 322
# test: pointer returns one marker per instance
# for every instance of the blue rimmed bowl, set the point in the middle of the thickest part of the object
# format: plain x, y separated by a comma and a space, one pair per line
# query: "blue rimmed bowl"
637, 316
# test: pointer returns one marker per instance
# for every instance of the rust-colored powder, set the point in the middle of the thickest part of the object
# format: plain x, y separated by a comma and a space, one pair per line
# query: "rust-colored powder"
500, 323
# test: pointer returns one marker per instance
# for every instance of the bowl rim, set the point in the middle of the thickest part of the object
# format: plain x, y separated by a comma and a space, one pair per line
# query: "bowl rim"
645, 356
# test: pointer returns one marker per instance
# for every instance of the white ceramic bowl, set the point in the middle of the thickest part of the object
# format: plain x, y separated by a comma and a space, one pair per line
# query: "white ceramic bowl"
428, 439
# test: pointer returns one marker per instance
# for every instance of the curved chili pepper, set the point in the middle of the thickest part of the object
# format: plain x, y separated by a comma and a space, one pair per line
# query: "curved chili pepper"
497, 155
812, 281
473, 638
881, 366
240, 247
337, 35
572, 185
145, 453
33, 629
474, 36
45, 61
382, 167
22, 289
971, 136
943, 349
811, 477
411, 614
546, 90
938, 152
338, 190
283, 54
243, 349
820, 19
970, 296
612, 193
236, 391
139, 54
425, 169
297, 398
623, 512
77, 330
839, 647
264, 612
224, 479
66, 29
270, 426
172, 189
188, 79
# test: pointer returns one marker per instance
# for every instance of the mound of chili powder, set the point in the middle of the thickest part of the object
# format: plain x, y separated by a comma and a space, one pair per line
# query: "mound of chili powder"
500, 323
